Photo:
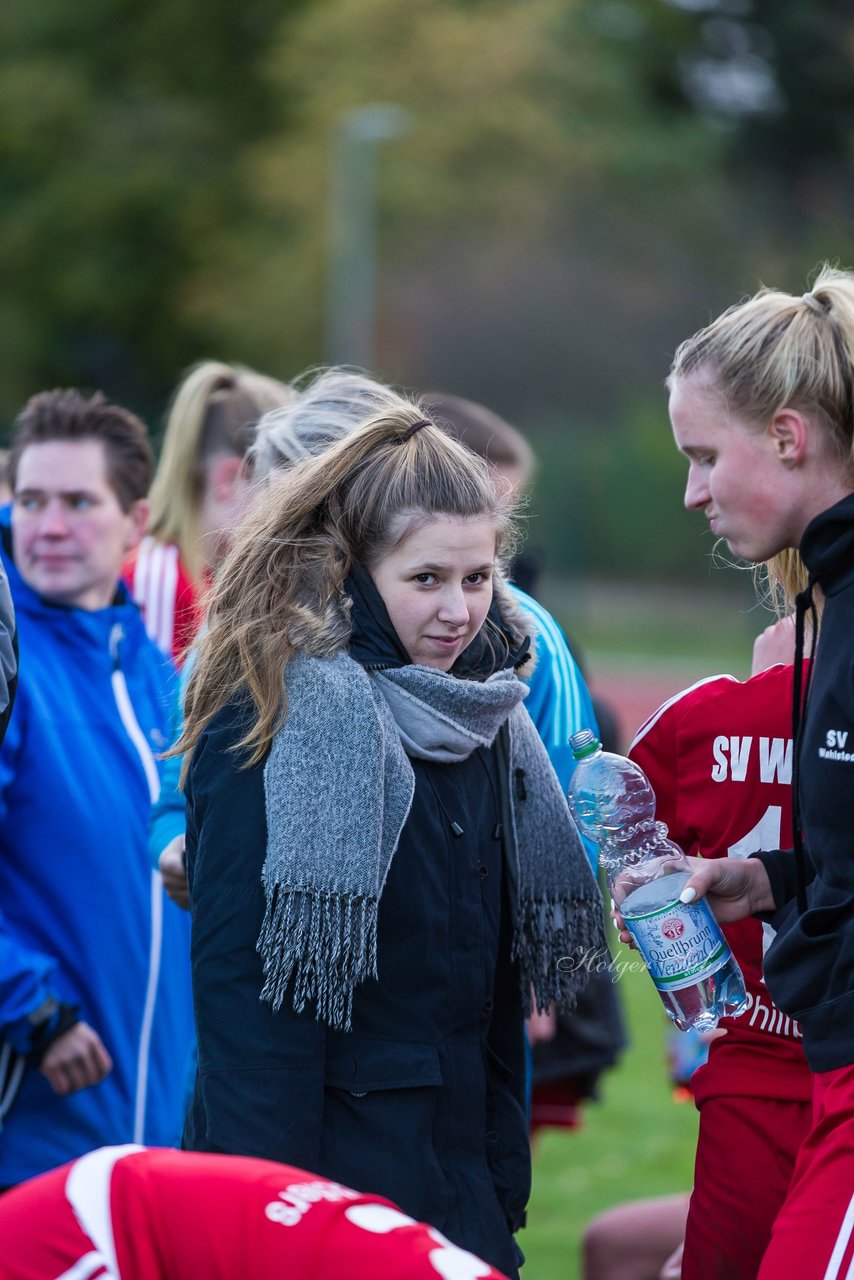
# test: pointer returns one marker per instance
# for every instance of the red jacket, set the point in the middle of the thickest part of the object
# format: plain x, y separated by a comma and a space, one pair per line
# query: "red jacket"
172, 606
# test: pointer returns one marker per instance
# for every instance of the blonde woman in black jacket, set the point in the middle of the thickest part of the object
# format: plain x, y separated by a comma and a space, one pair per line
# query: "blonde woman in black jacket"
762, 407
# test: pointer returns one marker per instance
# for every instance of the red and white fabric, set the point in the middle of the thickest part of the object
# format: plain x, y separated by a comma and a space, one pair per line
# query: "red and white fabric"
813, 1236
719, 757
745, 1156
170, 601
130, 1213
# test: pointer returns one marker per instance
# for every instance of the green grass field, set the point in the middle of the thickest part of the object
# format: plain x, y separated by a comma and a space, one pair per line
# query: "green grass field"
705, 628
636, 1142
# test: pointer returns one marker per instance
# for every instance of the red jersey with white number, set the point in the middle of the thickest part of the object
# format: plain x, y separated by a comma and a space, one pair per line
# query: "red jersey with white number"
127, 1213
171, 604
719, 757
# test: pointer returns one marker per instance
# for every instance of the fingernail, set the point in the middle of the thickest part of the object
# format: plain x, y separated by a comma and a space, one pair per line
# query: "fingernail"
687, 895
616, 926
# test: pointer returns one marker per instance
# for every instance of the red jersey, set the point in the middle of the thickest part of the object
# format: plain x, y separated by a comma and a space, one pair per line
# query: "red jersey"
170, 601
719, 757
127, 1213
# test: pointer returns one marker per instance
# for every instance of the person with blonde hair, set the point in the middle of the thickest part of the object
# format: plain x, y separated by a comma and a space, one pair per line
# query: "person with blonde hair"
383, 869
300, 428
719, 758
198, 494
762, 407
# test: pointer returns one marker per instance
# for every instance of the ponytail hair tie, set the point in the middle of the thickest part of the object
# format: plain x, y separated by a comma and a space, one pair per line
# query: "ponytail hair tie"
812, 301
416, 426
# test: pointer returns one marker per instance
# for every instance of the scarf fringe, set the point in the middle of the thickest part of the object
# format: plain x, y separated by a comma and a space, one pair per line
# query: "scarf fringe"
334, 819
547, 932
324, 944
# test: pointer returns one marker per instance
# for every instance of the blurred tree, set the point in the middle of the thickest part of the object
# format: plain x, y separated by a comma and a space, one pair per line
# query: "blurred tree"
611, 500
805, 146
521, 116
122, 132
778, 75
583, 182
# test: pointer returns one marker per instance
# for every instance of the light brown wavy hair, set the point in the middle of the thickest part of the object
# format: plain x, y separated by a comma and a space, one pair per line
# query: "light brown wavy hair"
280, 590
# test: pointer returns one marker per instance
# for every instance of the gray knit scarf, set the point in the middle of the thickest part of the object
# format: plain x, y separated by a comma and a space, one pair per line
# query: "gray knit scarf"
338, 788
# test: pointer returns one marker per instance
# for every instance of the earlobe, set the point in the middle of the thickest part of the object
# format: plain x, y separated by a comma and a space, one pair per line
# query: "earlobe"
137, 523
223, 475
789, 431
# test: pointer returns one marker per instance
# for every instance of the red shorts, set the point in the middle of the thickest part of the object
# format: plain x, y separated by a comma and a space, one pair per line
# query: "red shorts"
813, 1236
746, 1153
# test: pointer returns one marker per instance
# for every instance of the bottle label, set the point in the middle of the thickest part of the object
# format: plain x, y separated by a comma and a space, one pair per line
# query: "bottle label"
681, 944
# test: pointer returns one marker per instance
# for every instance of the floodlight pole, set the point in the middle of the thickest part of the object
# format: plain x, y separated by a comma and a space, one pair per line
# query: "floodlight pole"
351, 284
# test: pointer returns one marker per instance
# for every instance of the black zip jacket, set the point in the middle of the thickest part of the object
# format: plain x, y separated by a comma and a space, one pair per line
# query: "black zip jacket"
423, 1101
810, 966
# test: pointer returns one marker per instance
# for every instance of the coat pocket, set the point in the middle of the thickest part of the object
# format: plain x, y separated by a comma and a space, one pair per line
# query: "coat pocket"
368, 1066
379, 1122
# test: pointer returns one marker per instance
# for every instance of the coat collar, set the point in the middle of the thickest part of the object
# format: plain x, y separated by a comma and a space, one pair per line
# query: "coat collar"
827, 547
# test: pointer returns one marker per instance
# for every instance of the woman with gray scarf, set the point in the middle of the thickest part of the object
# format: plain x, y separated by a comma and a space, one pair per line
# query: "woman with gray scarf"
384, 874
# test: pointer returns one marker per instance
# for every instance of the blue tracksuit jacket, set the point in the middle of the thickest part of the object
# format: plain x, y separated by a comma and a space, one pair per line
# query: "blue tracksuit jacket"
84, 917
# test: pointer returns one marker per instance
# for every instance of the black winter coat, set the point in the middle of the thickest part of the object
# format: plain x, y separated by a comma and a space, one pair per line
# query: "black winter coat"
810, 966
423, 1101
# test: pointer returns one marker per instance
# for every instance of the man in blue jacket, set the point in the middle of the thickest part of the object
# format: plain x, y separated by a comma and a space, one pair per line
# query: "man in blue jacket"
95, 1010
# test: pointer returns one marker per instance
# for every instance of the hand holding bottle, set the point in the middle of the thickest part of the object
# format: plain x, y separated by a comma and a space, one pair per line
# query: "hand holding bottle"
733, 887
658, 892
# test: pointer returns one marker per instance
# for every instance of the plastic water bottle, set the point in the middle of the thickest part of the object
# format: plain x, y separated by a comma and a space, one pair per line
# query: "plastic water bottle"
682, 945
